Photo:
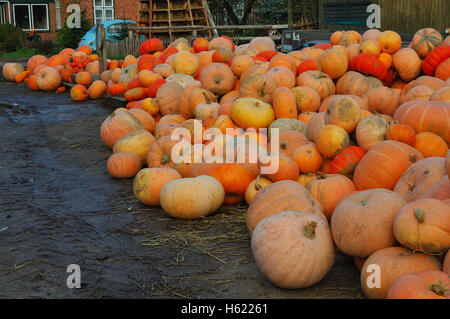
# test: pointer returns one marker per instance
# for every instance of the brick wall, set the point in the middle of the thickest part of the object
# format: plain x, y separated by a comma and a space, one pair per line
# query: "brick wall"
123, 9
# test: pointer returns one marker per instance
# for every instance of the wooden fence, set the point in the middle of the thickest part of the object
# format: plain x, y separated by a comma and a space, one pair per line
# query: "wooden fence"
403, 16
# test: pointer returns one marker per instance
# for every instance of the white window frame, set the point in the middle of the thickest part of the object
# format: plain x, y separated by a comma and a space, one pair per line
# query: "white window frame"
58, 14
103, 8
4, 6
30, 13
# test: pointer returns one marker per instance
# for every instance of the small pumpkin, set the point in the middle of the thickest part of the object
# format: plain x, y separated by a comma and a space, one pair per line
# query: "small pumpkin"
319, 81
344, 112
402, 133
430, 144
390, 41
78, 93
138, 142
284, 103
407, 64
371, 131
116, 126
255, 187
331, 139
97, 89
192, 197
346, 160
308, 158
123, 165
250, 112
217, 78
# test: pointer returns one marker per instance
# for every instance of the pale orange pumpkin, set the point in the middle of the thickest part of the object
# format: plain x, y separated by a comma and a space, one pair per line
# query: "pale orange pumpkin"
333, 63
117, 125
284, 103
259, 86
48, 79
344, 112
372, 210
319, 81
282, 246
371, 131
424, 226
97, 89
407, 63
138, 141
307, 99
394, 262
428, 284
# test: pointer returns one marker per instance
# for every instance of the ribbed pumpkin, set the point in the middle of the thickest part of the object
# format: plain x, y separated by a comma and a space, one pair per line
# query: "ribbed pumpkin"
287, 168
394, 262
282, 76
424, 225
418, 93
259, 86
190, 198
48, 79
288, 142
443, 70
138, 142
278, 197
440, 190
329, 190
117, 125
402, 133
425, 40
371, 210
426, 116
123, 165
430, 144
282, 246
441, 95
149, 181
160, 153
429, 284
346, 160
384, 164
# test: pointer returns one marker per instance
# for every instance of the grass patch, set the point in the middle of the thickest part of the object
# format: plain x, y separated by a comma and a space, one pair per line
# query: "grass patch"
22, 53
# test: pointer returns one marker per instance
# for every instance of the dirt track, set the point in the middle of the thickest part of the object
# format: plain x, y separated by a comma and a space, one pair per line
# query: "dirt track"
59, 207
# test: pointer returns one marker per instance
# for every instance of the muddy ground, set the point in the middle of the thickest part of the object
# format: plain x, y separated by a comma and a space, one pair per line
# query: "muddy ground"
59, 206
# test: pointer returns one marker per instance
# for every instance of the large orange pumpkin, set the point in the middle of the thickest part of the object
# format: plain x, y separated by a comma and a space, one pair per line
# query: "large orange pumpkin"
78, 93
293, 249
428, 116
384, 164
319, 81
372, 210
393, 262
390, 41
217, 78
333, 63
407, 64
97, 89
425, 40
11, 70
48, 79
259, 86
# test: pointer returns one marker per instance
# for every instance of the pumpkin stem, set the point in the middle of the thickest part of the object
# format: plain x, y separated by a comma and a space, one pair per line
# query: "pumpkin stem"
165, 159
207, 99
310, 230
217, 79
439, 288
363, 202
258, 187
283, 145
419, 214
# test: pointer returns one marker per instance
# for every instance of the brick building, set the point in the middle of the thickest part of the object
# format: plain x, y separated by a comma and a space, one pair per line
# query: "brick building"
47, 16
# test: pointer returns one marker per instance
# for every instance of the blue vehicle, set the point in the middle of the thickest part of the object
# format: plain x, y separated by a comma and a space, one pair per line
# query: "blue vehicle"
112, 31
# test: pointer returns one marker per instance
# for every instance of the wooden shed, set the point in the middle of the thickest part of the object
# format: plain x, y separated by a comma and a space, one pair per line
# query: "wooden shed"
403, 16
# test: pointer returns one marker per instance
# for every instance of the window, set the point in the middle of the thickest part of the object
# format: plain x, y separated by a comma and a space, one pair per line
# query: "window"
3, 13
103, 10
31, 16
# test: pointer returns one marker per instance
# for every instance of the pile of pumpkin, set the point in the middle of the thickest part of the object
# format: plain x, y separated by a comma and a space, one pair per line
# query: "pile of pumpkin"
363, 150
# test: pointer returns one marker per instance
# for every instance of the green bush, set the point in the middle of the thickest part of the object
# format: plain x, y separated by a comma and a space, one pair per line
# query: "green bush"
69, 38
11, 38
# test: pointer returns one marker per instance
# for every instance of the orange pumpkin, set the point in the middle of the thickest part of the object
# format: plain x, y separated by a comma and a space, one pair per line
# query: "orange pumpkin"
284, 103
384, 164
97, 89
429, 116
402, 133
78, 93
287, 168
390, 41
429, 284
259, 86
307, 99
430, 144
344, 112
117, 125
282, 76
425, 40
308, 158
48, 79
407, 64
123, 165
382, 100
148, 183
331, 139
333, 63
288, 142
319, 81
217, 78
393, 263
424, 226
329, 190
